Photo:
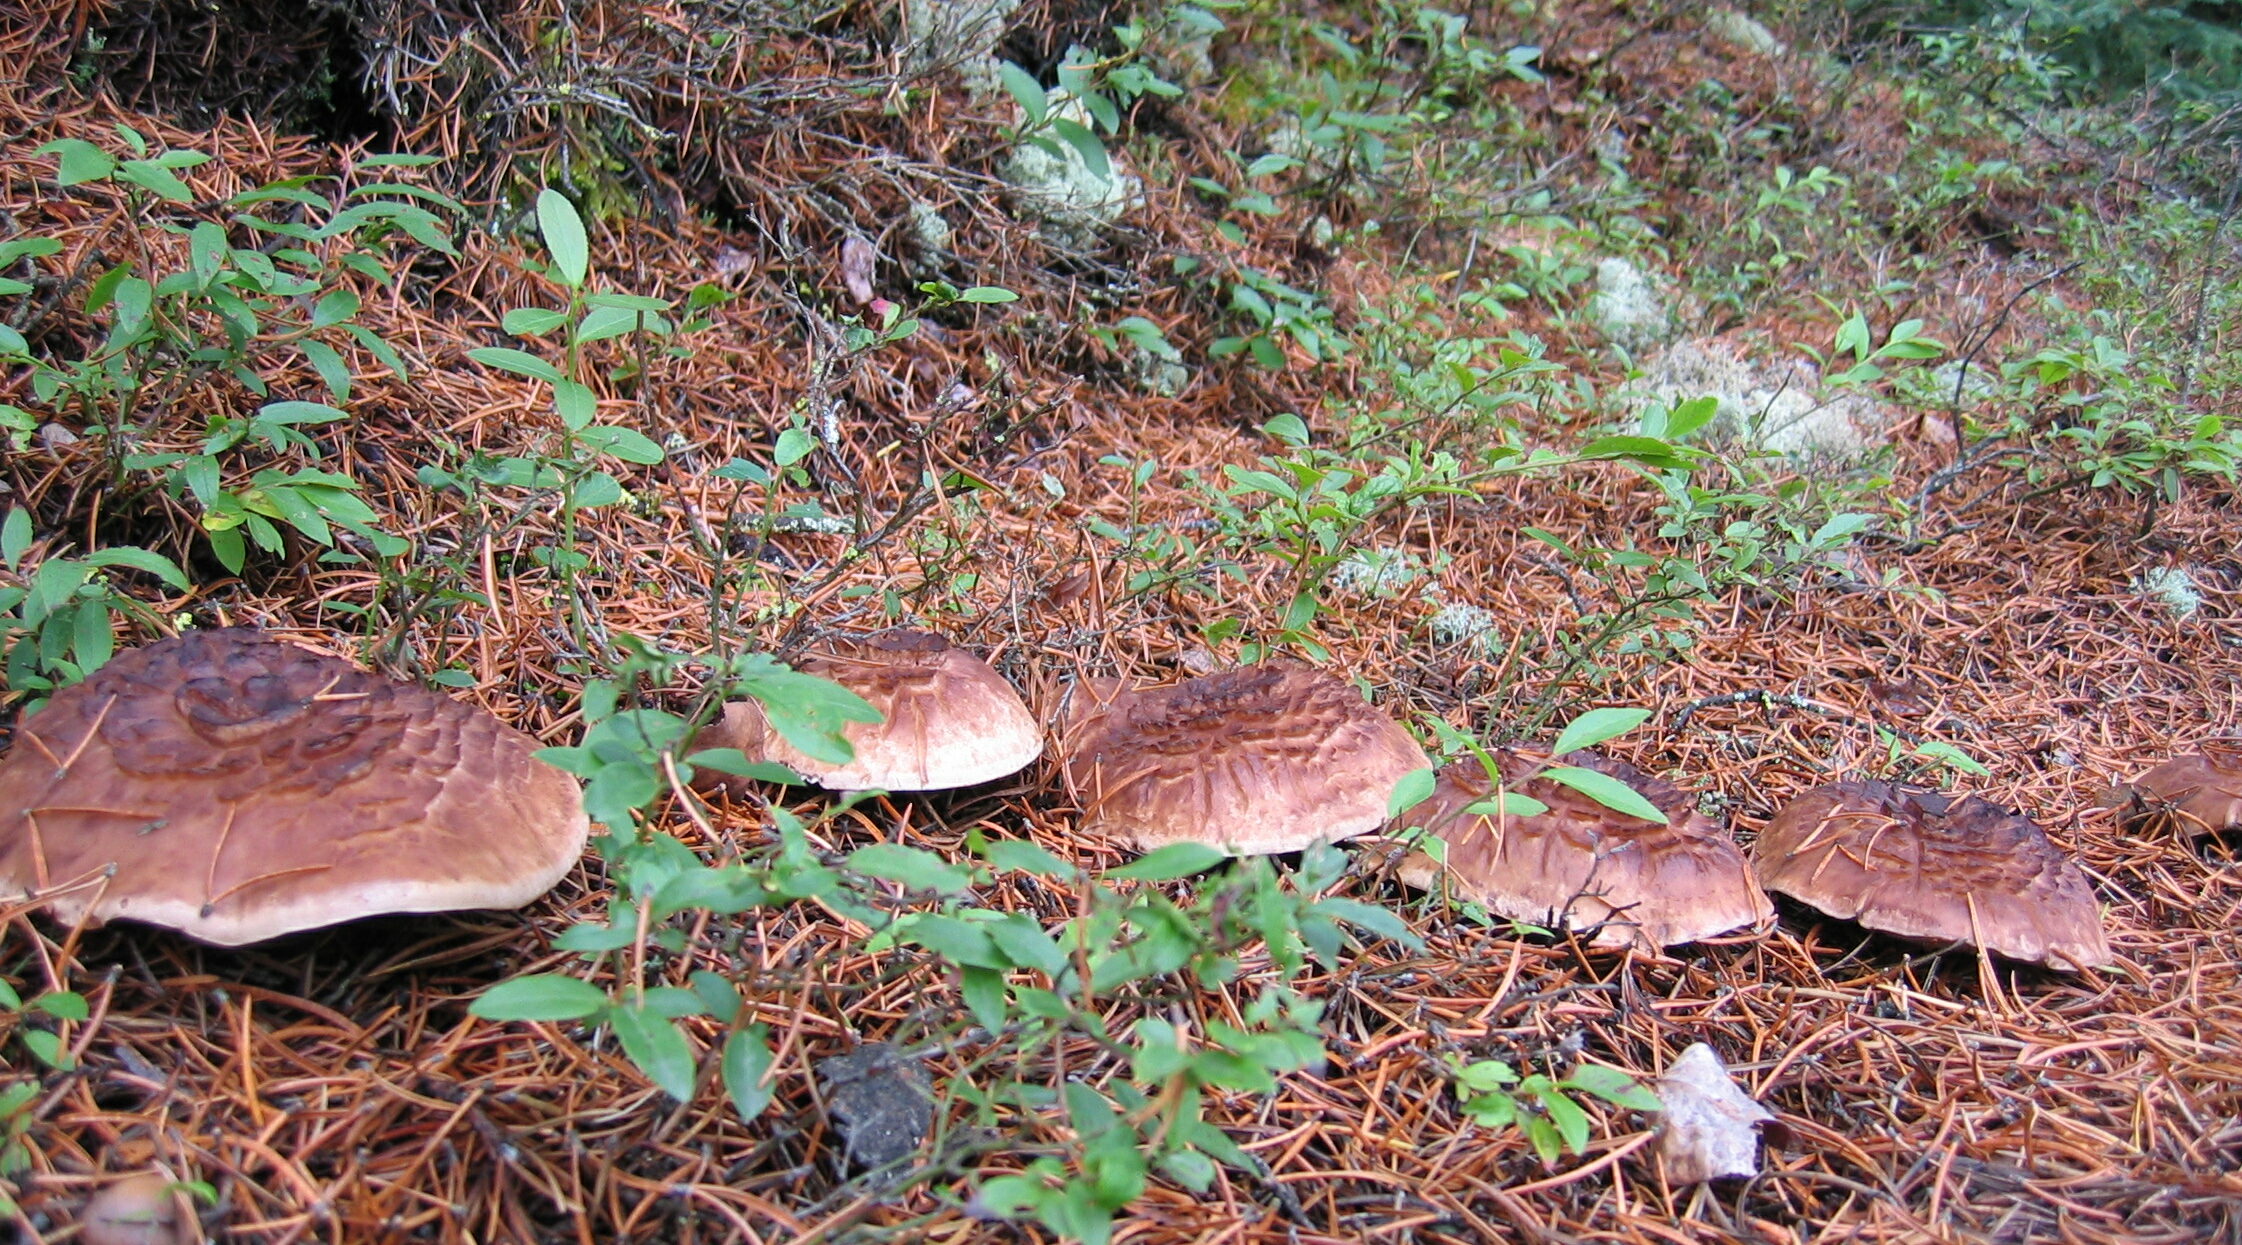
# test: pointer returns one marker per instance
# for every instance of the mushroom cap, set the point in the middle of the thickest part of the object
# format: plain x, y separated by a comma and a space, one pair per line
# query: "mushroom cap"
948, 719
1584, 865
138, 1210
1925, 865
2196, 794
237, 788
1253, 761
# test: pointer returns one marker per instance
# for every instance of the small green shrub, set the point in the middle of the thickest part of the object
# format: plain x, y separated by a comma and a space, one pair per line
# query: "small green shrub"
264, 289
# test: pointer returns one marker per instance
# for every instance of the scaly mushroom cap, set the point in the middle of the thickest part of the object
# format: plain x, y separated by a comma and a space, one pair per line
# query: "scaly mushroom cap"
1253, 761
948, 718
237, 788
1581, 864
1924, 865
2191, 795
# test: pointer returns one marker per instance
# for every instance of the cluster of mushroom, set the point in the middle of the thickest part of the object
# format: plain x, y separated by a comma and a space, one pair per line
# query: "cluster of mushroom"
236, 788
1271, 759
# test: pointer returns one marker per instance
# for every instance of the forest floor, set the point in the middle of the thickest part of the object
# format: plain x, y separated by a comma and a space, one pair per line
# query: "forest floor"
1003, 478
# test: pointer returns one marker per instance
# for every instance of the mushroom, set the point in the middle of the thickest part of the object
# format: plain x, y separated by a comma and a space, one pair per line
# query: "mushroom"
143, 1209
1253, 761
1636, 883
948, 719
2192, 795
237, 788
1924, 865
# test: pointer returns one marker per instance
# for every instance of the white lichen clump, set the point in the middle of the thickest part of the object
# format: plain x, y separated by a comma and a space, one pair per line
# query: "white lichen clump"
2172, 586
1740, 33
1161, 377
1073, 200
931, 231
963, 33
1457, 623
1375, 572
1627, 307
1775, 405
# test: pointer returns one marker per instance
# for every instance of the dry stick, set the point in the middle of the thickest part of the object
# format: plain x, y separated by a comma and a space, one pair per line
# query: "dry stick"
1767, 699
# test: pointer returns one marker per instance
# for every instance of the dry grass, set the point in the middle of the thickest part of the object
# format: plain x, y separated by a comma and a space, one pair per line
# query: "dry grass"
333, 1088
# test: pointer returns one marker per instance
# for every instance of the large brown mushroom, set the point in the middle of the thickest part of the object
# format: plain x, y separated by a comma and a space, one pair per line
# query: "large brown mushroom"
1580, 864
1253, 761
948, 719
2192, 795
238, 788
1925, 865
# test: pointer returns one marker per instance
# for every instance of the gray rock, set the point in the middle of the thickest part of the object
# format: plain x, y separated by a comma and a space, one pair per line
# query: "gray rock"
882, 1101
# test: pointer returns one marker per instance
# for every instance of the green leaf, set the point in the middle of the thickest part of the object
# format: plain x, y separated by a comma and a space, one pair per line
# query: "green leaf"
154, 177
983, 989
1288, 428
519, 362
15, 536
590, 938
1025, 857
1486, 1074
328, 363
1691, 416
300, 413
719, 997
1413, 789
793, 446
1176, 860
960, 942
47, 1048
1607, 791
336, 307
747, 1061
60, 1004
532, 321
595, 490
627, 444
540, 996
9, 999
140, 559
807, 711
1086, 145
986, 294
1023, 88
601, 323
564, 237
1571, 1122
1613, 1086
912, 867
673, 1002
94, 641
657, 1047
1023, 940
577, 405
81, 161
1649, 451
1596, 726
27, 248
1370, 917
1544, 1137
1511, 803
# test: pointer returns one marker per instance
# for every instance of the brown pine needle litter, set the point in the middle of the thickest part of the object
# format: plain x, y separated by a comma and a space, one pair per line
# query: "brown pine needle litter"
332, 1087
